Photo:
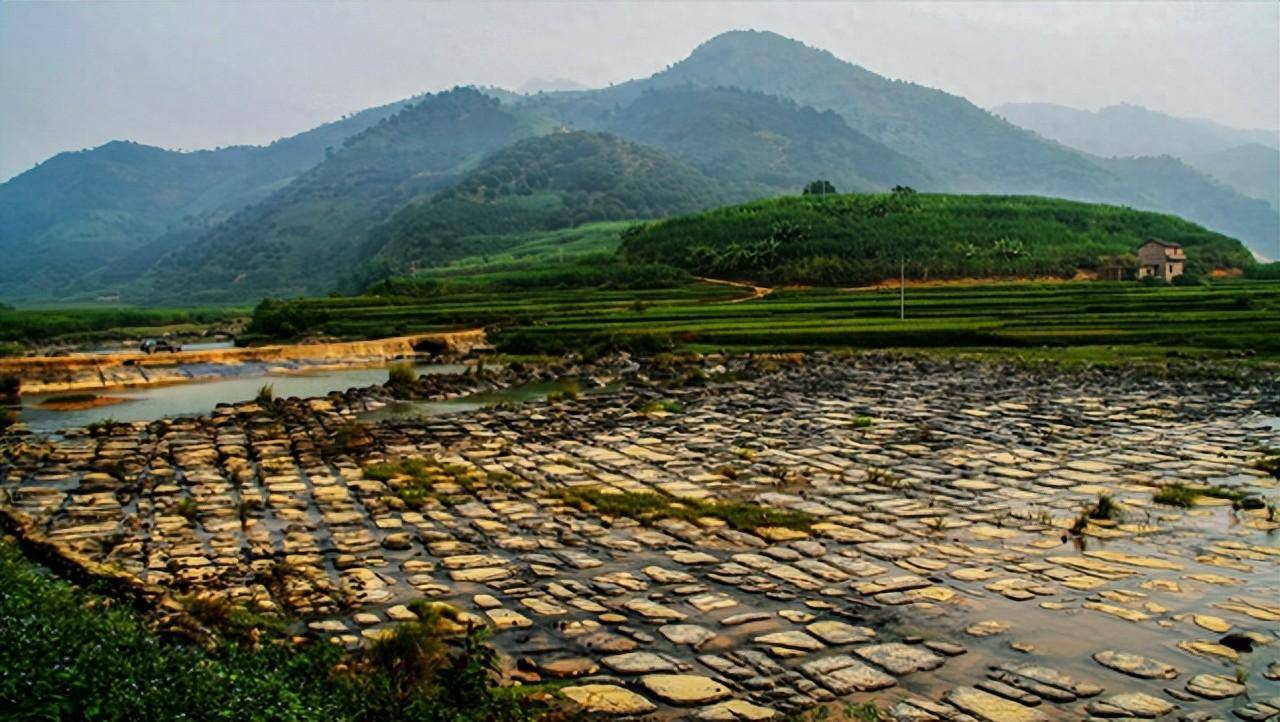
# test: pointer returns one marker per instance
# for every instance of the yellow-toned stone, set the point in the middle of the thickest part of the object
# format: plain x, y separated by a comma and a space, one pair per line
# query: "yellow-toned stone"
1134, 560
1131, 615
608, 699
1206, 648
780, 533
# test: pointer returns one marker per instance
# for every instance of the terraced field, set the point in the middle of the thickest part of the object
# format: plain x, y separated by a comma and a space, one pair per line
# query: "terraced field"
1098, 320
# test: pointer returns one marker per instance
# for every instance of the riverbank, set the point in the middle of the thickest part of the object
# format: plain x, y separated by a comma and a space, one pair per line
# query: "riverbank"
57, 374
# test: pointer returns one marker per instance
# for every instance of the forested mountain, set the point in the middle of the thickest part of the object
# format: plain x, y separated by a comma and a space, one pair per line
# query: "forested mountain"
82, 211
965, 148
756, 112
761, 143
1132, 130
1253, 169
554, 181
1246, 160
857, 239
308, 235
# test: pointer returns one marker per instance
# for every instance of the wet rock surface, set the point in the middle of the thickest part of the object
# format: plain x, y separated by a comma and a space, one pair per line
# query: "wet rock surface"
944, 568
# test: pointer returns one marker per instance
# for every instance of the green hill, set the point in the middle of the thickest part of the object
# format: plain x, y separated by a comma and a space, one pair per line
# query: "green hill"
965, 148
307, 236
554, 181
857, 239
80, 212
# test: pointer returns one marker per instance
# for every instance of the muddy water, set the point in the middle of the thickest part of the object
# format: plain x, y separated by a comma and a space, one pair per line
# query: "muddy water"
157, 402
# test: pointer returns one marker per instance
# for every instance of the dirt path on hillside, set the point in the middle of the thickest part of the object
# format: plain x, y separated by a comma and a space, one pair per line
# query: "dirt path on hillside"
756, 291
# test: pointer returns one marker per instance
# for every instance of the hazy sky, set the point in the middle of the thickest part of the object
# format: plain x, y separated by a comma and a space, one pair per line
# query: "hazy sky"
196, 75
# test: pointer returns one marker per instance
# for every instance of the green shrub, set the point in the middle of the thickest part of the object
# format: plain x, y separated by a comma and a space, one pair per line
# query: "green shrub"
266, 395
68, 654
401, 374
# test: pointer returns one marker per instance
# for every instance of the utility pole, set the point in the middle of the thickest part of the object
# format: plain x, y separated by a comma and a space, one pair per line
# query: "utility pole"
902, 289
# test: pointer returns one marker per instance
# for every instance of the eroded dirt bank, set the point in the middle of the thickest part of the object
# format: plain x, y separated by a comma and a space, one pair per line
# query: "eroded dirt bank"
54, 374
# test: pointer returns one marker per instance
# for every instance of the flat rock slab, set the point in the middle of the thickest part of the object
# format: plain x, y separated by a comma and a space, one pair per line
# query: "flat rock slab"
991, 708
900, 659
685, 690
638, 663
608, 699
1135, 665
690, 634
843, 675
833, 632
1214, 686
1132, 704
790, 640
734, 710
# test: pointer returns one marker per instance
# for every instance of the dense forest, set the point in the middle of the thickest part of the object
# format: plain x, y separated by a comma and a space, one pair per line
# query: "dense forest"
858, 239
761, 143
307, 236
554, 181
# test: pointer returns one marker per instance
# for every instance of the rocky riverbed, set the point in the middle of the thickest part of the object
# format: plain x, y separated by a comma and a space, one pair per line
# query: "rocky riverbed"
945, 564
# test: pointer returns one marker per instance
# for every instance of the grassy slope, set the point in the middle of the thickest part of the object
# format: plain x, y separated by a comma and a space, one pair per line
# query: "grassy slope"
855, 239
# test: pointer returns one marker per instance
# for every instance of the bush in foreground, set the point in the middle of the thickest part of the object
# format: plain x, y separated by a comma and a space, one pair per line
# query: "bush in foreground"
69, 654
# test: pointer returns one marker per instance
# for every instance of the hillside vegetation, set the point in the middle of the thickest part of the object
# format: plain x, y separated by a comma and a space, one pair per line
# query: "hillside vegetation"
308, 236
760, 143
964, 148
544, 183
352, 203
82, 211
858, 239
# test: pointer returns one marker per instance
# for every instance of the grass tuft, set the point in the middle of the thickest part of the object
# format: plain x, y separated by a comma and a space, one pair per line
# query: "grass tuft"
648, 507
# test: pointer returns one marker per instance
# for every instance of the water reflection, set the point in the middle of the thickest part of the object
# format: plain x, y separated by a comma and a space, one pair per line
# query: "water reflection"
200, 397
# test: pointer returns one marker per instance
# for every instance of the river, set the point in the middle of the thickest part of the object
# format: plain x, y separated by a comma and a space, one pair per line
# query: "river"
200, 397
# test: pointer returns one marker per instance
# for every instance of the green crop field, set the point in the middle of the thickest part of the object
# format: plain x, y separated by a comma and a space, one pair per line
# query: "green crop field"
1111, 320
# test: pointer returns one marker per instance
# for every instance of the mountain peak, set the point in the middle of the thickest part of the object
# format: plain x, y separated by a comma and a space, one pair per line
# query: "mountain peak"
734, 42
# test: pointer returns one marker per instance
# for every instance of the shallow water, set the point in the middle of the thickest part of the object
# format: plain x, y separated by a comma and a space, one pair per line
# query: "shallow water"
200, 397
402, 410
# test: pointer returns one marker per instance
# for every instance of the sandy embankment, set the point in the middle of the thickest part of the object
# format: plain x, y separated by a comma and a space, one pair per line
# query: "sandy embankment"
57, 374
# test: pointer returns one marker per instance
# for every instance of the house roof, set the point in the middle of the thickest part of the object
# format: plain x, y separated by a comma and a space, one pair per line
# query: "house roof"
1166, 244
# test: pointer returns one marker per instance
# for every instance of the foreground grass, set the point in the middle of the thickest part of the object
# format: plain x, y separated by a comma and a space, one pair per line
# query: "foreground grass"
648, 507
69, 654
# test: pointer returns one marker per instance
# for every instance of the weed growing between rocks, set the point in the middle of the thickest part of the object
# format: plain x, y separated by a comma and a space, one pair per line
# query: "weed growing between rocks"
1178, 495
649, 507
266, 395
667, 406
1270, 462
415, 480
1184, 496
